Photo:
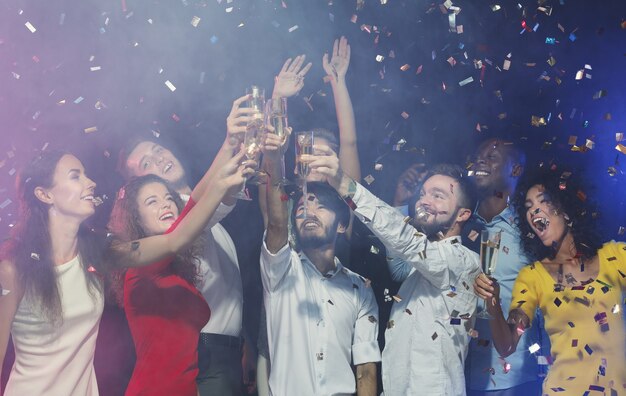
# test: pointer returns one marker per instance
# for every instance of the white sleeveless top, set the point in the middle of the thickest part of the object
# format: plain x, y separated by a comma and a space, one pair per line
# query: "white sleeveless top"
57, 360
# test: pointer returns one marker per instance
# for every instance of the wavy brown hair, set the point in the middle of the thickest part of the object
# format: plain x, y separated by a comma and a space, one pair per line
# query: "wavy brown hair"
29, 246
125, 225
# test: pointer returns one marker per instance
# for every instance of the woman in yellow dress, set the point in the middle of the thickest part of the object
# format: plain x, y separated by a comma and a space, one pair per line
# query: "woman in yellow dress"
576, 281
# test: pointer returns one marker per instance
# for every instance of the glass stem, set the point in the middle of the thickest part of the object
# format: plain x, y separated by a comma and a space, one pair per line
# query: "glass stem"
305, 200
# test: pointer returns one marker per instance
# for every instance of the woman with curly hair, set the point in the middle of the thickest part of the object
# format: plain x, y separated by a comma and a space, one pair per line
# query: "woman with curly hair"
165, 311
576, 281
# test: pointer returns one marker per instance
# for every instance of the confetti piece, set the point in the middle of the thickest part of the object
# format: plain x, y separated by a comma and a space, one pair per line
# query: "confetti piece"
34, 256
195, 21
621, 148
170, 85
473, 235
466, 81
600, 94
91, 129
537, 121
30, 27
369, 179
534, 348
379, 58
293, 28
372, 319
434, 336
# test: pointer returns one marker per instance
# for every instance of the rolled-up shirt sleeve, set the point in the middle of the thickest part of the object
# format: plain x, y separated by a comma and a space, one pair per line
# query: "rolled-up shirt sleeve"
400, 238
275, 266
365, 347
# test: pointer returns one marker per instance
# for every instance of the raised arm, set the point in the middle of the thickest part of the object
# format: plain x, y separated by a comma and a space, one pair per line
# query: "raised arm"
277, 217
155, 248
506, 333
386, 222
366, 379
10, 296
288, 82
235, 129
336, 71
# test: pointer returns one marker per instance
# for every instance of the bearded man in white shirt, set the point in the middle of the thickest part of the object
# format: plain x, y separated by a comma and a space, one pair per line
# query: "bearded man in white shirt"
428, 332
322, 318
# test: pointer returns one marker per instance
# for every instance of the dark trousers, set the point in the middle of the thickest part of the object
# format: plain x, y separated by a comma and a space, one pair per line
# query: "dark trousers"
219, 365
528, 389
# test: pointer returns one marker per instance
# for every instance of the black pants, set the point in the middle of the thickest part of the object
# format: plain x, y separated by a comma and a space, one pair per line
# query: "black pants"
220, 372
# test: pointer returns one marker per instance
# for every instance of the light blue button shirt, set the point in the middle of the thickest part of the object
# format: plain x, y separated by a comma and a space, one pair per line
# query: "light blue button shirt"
482, 356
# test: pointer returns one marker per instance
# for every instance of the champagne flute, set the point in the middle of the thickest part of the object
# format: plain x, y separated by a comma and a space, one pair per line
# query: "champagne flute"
254, 132
276, 110
489, 246
304, 145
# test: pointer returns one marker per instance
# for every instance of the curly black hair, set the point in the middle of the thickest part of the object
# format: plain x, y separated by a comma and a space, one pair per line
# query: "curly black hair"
569, 196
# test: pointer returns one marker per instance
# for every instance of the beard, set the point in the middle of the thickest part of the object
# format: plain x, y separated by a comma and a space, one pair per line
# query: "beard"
316, 241
432, 229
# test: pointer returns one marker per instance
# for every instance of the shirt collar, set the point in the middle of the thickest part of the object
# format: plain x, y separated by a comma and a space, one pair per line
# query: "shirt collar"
451, 240
507, 215
330, 274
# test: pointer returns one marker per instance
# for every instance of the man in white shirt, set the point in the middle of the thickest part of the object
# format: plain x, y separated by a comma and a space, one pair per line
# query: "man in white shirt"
427, 334
220, 344
321, 317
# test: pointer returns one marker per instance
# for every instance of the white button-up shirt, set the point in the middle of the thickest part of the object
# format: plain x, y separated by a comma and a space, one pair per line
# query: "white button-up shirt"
427, 335
318, 325
220, 280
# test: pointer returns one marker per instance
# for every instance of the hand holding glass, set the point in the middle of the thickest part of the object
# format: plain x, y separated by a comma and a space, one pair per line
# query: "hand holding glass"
489, 246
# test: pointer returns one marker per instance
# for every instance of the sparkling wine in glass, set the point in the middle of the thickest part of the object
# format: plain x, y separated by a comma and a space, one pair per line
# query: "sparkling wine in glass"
304, 145
489, 245
276, 110
254, 132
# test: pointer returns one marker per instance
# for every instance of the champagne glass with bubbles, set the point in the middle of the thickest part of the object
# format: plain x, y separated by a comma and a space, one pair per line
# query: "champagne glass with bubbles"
304, 145
254, 132
276, 110
489, 246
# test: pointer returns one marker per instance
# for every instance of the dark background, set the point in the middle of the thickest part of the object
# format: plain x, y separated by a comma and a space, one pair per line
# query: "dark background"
140, 44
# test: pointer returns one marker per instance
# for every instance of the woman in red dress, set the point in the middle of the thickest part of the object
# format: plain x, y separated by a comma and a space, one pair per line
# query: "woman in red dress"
164, 309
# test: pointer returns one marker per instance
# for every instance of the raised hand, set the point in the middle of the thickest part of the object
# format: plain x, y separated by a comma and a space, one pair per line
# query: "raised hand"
235, 172
325, 162
275, 145
337, 68
236, 122
290, 80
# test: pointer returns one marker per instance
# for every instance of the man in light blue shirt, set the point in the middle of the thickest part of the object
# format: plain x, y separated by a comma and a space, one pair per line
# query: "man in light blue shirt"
496, 171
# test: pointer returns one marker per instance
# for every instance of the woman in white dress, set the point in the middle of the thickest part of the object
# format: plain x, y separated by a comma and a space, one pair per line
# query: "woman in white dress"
51, 293
52, 299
